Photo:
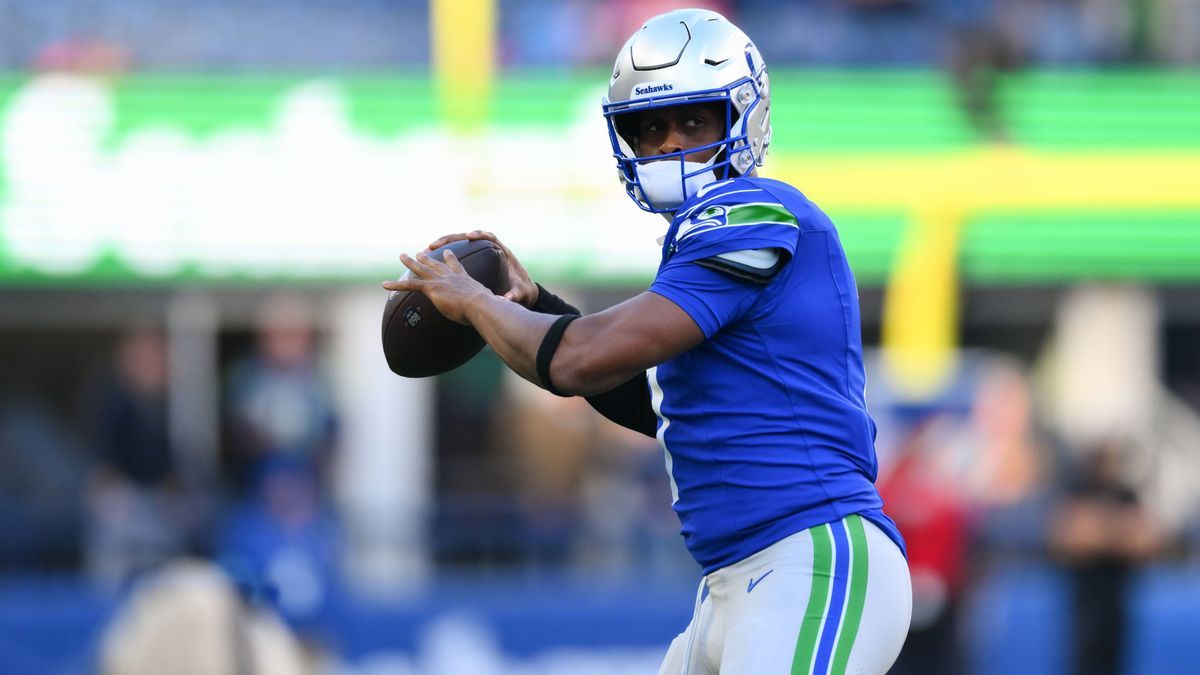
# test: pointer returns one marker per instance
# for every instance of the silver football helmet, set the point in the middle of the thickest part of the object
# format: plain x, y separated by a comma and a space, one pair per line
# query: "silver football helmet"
677, 58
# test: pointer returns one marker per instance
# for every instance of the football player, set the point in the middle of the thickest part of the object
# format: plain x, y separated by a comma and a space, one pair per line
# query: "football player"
744, 359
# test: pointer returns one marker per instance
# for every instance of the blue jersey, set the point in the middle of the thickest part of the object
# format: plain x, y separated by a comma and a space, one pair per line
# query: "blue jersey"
764, 424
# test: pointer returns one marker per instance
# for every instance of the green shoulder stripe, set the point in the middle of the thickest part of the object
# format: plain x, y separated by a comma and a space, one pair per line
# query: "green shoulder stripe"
744, 214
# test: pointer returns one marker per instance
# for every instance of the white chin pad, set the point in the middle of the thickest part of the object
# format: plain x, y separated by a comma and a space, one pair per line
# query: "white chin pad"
661, 184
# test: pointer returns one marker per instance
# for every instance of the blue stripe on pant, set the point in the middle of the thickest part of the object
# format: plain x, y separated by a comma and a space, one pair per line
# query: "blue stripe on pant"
841, 576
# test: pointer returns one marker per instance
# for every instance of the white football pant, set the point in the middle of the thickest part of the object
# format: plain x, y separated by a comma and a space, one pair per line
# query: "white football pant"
833, 599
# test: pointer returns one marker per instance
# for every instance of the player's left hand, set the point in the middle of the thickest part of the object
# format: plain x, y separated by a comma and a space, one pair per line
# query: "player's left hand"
444, 282
521, 289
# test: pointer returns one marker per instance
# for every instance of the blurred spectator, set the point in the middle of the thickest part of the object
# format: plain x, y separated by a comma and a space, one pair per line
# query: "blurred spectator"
1007, 467
139, 515
281, 535
279, 410
978, 51
1101, 533
42, 478
284, 545
551, 441
189, 620
82, 56
1174, 29
925, 498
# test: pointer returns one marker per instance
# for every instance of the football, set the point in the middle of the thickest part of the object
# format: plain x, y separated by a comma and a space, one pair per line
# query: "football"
417, 340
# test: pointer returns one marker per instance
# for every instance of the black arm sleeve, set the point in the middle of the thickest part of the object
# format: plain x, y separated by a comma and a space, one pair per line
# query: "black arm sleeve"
549, 303
628, 404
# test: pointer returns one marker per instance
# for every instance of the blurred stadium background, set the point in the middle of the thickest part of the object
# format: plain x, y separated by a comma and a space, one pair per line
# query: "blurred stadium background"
204, 459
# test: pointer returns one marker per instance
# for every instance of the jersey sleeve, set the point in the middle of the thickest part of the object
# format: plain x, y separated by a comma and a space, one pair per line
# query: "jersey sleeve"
712, 298
736, 216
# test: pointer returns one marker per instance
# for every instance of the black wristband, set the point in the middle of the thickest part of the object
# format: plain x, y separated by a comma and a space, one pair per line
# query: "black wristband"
546, 351
549, 303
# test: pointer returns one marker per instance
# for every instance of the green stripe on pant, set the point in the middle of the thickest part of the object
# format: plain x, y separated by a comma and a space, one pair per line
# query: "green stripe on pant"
814, 614
858, 594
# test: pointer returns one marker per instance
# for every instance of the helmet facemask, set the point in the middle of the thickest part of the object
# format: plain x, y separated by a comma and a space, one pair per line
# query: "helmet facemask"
660, 183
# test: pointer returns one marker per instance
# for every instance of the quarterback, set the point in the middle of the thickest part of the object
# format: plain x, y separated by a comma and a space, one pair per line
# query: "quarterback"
743, 358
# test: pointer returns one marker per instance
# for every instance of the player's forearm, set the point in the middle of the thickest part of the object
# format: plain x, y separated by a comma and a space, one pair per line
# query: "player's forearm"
513, 332
590, 360
596, 353
516, 335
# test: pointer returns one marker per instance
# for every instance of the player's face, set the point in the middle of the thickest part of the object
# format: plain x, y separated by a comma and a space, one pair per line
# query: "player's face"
680, 128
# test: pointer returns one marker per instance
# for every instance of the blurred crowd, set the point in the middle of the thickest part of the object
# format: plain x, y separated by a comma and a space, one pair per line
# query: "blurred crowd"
374, 35
975, 42
1027, 460
992, 486
1035, 459
874, 33
100, 482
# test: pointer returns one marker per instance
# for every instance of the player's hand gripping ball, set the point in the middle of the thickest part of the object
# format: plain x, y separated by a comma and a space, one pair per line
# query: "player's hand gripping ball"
418, 340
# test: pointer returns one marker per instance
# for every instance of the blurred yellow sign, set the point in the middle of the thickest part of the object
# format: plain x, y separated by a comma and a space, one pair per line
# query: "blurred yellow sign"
997, 177
941, 191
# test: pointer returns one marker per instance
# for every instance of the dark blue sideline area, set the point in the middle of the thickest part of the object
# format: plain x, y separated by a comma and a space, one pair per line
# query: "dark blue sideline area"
1017, 622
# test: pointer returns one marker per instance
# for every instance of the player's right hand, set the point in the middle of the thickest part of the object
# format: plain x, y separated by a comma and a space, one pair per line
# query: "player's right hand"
522, 291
